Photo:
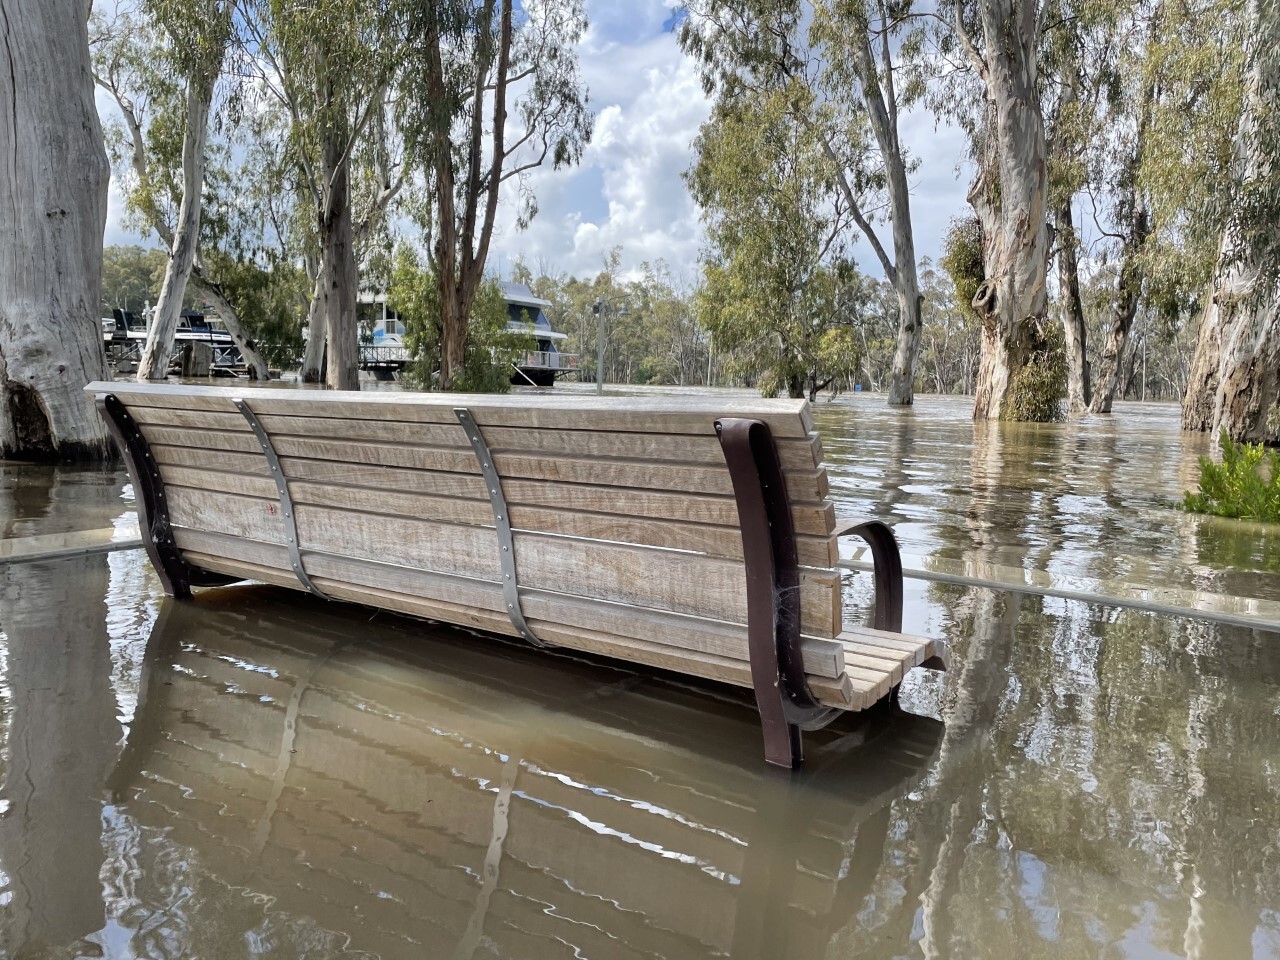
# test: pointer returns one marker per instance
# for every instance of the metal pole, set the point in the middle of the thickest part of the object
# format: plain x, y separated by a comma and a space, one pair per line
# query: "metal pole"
600, 307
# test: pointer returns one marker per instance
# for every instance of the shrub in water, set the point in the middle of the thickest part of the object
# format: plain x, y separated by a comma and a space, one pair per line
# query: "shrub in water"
1246, 484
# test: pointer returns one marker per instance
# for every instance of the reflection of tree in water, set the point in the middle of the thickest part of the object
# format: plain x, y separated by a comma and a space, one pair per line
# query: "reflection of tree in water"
59, 728
1104, 775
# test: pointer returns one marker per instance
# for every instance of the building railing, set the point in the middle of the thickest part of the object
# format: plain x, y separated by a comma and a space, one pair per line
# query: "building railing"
384, 355
548, 360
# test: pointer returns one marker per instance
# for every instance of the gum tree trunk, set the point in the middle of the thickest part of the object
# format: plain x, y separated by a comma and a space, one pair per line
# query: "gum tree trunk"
53, 188
1235, 374
1009, 196
338, 273
1072, 313
186, 238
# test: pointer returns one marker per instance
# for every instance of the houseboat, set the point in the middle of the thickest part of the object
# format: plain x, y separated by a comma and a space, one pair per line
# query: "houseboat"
124, 334
383, 350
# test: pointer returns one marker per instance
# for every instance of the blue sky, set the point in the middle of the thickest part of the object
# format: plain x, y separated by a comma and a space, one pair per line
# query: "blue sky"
628, 192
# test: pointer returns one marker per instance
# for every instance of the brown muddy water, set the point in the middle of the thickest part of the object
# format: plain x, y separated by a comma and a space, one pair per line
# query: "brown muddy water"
261, 774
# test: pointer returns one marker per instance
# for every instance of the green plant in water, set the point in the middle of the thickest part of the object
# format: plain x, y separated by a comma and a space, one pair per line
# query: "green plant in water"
1035, 395
1246, 484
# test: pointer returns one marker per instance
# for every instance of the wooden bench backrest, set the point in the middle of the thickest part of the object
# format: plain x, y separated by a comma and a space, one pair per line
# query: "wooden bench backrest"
625, 501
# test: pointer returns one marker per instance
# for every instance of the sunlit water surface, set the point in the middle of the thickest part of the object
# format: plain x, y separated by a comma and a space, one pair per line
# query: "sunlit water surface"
258, 773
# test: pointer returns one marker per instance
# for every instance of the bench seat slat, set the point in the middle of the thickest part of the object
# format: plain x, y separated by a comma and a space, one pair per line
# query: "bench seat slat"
840, 692
823, 657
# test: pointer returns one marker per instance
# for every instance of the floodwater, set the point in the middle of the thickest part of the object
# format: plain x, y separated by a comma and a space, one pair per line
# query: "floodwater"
259, 773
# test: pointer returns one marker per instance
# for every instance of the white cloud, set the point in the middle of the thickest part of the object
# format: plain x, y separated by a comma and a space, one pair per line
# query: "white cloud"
628, 191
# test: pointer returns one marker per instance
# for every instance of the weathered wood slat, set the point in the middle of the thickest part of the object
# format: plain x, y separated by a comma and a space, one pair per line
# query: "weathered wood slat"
711, 587
717, 541
676, 415
808, 487
841, 692
816, 520
794, 453
822, 657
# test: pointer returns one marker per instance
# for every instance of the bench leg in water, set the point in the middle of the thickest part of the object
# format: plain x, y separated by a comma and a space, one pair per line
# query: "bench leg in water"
176, 575
783, 697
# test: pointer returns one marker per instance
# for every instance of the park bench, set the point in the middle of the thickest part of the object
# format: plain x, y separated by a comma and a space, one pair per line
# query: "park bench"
691, 535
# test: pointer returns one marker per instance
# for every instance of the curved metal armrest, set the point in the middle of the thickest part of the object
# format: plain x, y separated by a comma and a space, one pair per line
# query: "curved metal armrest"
886, 559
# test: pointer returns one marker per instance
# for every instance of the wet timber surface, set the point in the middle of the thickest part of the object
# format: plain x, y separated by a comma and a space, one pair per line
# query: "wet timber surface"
260, 773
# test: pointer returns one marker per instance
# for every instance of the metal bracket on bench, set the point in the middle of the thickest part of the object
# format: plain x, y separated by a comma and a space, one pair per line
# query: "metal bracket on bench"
176, 575
886, 561
784, 699
282, 490
502, 521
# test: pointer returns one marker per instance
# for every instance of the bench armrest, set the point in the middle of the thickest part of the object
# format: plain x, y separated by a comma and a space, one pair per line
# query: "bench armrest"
886, 561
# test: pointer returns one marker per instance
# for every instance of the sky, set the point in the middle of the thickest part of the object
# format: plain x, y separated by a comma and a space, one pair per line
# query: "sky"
627, 192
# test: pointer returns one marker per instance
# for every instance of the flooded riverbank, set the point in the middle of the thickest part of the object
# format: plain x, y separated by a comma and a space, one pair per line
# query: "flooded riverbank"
261, 773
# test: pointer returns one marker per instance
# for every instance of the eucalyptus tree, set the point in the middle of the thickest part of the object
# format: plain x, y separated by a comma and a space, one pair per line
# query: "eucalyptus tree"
475, 68
333, 66
162, 69
999, 40
844, 58
199, 36
773, 287
1235, 376
53, 181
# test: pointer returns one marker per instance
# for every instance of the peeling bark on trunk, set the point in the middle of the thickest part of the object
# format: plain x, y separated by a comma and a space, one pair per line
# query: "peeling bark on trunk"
1010, 198
53, 182
1072, 313
1234, 382
182, 255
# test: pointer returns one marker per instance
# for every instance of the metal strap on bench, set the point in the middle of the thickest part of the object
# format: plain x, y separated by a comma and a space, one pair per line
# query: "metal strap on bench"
176, 575
502, 522
785, 701
282, 490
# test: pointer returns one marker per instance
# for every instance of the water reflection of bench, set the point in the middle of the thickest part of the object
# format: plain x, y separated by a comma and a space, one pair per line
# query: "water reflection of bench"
689, 535
412, 791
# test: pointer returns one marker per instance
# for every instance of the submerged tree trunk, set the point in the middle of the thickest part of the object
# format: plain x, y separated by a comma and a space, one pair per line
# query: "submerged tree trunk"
186, 238
54, 181
1009, 196
1072, 313
1235, 374
1123, 309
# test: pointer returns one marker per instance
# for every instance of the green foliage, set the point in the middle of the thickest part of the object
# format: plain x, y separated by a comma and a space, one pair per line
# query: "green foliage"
1246, 484
1035, 393
962, 258
773, 284
491, 349
271, 304
131, 277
